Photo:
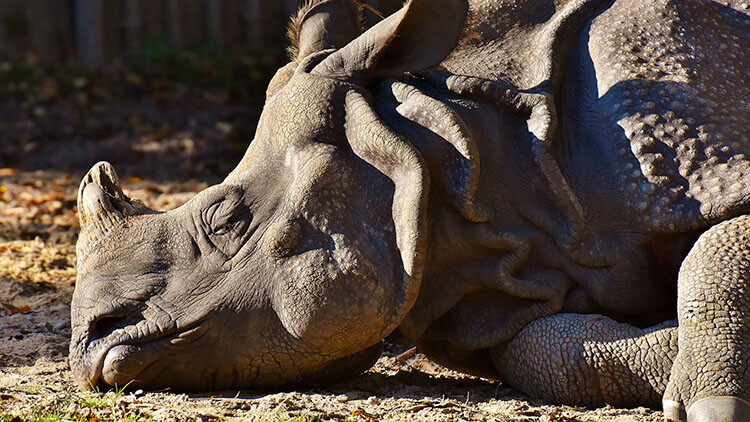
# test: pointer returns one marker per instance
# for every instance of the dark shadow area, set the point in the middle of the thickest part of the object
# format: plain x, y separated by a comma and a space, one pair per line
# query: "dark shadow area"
172, 116
162, 92
173, 119
415, 378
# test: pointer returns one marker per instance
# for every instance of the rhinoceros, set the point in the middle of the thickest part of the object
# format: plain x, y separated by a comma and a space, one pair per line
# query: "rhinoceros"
553, 193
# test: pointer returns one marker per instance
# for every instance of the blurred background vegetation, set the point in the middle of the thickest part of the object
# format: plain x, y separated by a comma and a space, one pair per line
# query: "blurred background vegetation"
131, 81
168, 91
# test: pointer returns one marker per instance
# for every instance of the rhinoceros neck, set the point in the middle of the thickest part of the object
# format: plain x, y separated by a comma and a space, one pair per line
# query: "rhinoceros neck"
484, 281
511, 244
516, 264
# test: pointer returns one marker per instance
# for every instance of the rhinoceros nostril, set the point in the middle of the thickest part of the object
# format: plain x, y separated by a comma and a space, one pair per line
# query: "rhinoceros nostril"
106, 325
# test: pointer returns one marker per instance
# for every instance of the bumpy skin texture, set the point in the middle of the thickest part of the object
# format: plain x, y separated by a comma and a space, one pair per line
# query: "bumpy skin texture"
590, 360
714, 318
516, 186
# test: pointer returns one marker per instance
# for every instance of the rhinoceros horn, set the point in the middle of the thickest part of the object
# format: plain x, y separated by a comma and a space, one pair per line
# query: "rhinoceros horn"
102, 206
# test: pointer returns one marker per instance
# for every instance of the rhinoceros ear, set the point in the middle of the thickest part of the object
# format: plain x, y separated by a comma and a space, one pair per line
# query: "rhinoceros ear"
374, 142
417, 37
320, 25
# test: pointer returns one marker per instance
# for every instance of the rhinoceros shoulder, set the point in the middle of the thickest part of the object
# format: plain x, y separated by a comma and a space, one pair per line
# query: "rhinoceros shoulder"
659, 91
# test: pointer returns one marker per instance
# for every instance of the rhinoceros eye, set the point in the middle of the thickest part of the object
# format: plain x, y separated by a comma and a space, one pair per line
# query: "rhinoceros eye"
222, 230
229, 218
227, 215
228, 226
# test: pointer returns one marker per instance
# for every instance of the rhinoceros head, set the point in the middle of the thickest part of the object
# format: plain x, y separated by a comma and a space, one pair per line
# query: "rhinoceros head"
299, 263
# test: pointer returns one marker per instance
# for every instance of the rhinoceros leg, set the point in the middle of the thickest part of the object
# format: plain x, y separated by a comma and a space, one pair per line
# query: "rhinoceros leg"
590, 360
593, 360
711, 374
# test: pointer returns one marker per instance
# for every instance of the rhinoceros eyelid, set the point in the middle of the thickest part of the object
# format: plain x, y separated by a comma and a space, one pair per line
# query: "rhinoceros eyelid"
221, 218
224, 229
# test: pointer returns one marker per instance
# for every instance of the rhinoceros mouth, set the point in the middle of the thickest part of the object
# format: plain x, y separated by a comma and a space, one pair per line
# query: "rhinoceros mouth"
119, 358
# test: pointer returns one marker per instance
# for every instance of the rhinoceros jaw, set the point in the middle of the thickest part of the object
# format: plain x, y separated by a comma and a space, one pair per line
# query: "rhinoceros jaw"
119, 358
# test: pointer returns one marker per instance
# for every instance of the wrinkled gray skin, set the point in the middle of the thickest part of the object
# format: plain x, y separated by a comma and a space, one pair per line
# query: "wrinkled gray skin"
598, 255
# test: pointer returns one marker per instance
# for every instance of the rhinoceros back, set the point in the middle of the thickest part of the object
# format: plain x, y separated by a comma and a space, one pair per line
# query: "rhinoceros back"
655, 113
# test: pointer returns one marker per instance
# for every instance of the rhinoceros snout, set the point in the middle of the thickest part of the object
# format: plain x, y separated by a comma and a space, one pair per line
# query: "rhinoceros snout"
104, 326
120, 351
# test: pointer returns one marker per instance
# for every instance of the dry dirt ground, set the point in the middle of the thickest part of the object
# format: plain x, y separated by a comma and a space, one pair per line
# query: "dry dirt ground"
165, 157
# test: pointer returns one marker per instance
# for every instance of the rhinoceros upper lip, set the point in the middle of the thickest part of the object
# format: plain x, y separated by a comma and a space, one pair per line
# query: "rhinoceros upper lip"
98, 349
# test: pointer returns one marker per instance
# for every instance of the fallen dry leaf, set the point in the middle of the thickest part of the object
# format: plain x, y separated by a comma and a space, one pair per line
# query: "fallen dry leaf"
362, 414
16, 310
407, 354
37, 261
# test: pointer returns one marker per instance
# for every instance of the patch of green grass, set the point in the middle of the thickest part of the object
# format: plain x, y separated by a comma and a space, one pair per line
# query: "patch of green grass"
41, 416
94, 401
87, 407
15, 76
33, 389
282, 416
99, 400
60, 416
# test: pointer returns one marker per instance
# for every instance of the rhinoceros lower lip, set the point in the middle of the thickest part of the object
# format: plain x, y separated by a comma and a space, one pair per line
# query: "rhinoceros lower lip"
122, 361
